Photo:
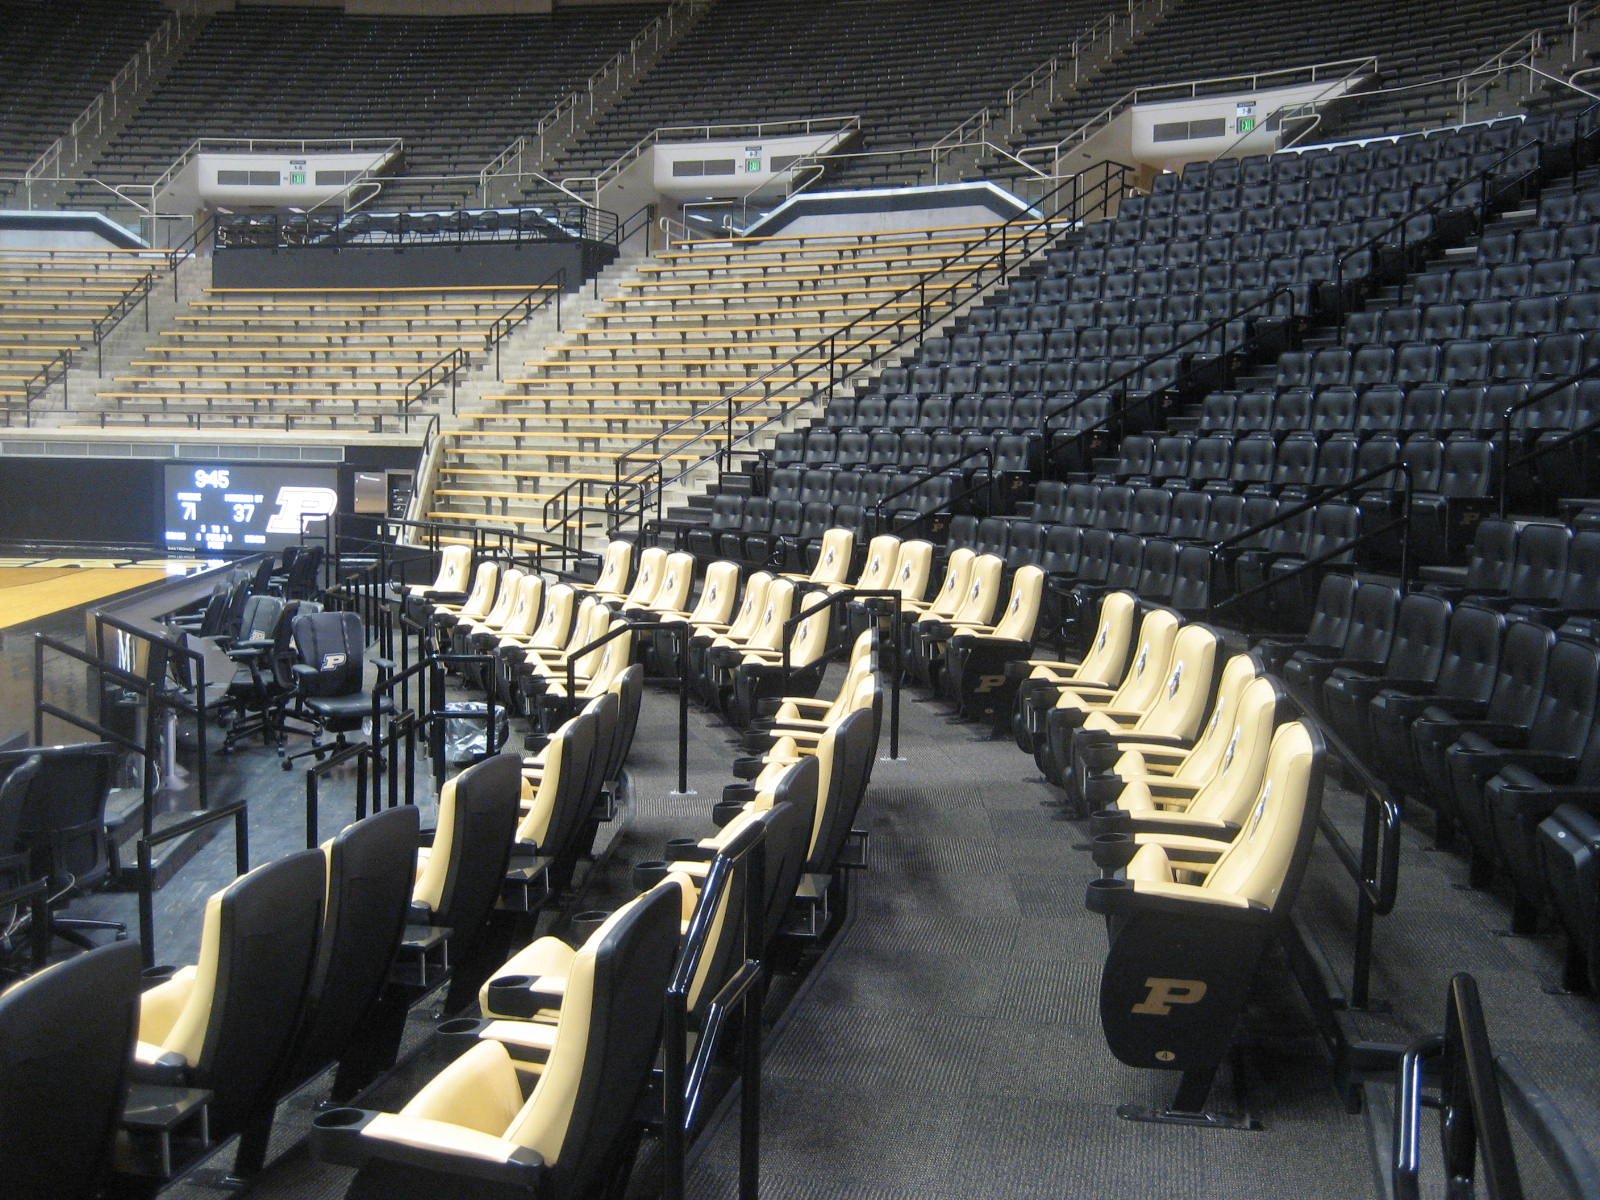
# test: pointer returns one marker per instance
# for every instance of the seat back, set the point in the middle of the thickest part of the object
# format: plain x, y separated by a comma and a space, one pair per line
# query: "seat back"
751, 607
485, 582
560, 789
1107, 658
844, 764
1471, 657
580, 1111
718, 592
1140, 686
371, 864
628, 687
477, 818
66, 1039
257, 948
615, 567
911, 569
523, 616
1180, 706
259, 618
333, 645
1244, 713
1519, 681
1265, 863
833, 557
455, 565
982, 593
878, 570
953, 590
1021, 615
652, 565
555, 623
505, 598
788, 821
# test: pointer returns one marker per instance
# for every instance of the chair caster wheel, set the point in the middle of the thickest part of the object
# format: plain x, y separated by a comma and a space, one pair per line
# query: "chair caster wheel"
285, 764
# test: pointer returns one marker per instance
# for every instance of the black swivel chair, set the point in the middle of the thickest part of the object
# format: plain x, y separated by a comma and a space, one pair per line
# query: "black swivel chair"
63, 828
16, 874
329, 680
66, 1039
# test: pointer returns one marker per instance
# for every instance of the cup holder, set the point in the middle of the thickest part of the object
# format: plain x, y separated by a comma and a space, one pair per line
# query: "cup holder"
724, 811
457, 1026
339, 1118
585, 923
510, 983
739, 793
678, 846
155, 976
647, 874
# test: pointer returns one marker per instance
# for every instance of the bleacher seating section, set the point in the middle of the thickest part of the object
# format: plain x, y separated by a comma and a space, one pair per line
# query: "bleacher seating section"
54, 60
655, 359
457, 88
52, 301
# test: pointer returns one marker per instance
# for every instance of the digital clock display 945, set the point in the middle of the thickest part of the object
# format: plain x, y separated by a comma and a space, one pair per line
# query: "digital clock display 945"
244, 507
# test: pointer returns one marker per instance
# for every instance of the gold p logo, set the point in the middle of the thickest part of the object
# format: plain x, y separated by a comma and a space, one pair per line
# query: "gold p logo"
988, 683
1164, 993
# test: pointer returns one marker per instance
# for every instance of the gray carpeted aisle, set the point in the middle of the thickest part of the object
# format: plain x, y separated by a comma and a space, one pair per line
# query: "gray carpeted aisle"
952, 1047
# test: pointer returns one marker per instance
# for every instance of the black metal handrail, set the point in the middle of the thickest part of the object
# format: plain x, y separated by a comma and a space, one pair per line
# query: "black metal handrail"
1475, 1085
149, 841
1403, 222
1117, 415
113, 316
834, 600
189, 247
918, 314
620, 626
954, 465
35, 388
362, 753
445, 370
735, 868
522, 309
626, 228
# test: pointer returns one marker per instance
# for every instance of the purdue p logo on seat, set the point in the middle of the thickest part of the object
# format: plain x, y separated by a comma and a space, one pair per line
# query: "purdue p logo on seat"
1164, 994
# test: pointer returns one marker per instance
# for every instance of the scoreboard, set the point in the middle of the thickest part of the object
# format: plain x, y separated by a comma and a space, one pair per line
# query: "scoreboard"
242, 507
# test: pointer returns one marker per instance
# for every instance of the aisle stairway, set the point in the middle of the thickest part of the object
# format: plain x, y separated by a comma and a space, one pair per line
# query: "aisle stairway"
648, 372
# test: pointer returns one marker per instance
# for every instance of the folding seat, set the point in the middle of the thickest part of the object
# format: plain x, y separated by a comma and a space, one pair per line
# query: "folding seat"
1113, 508
966, 413
226, 1023
69, 1036
1012, 318
476, 1126
977, 654
1441, 520
992, 348
1254, 412
1579, 313
1334, 410
926, 379
1149, 511
1325, 632
1512, 703
1024, 540
788, 449
1419, 362
1551, 742
1082, 500
1416, 655
934, 414
851, 450
754, 541
1537, 568
1210, 462
1477, 283
1294, 369
1170, 461
822, 448
1161, 928
840, 413
1365, 647
1558, 277
1378, 409
1135, 689
1174, 717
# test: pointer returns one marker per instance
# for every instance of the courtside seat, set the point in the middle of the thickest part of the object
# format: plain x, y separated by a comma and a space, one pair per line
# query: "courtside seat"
1175, 718
976, 657
719, 592
760, 674
676, 577
929, 635
443, 616
751, 607
455, 568
1134, 692
726, 651
226, 1022
1189, 920
488, 1125
1152, 778
1103, 665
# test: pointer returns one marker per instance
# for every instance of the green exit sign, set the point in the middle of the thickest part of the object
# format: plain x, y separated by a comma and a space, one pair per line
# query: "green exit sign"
297, 178
1246, 124
752, 166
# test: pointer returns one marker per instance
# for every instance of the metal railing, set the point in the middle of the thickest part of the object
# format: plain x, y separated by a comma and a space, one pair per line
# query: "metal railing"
113, 316
136, 73
1560, 438
620, 627
1474, 1088
833, 601
444, 370
34, 389
521, 310
1016, 243
615, 72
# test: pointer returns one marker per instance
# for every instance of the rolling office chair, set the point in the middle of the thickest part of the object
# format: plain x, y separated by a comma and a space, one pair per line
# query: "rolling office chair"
329, 681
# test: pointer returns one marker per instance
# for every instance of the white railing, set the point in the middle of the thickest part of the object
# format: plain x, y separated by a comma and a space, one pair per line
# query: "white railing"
840, 127
1525, 51
1579, 15
562, 117
1338, 71
63, 154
